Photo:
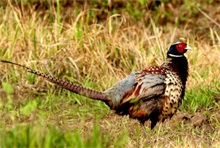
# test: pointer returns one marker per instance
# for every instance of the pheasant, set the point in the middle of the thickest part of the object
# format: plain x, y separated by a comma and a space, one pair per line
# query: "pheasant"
151, 94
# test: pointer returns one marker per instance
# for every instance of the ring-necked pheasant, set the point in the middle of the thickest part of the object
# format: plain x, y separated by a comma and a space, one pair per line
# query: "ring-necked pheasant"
152, 94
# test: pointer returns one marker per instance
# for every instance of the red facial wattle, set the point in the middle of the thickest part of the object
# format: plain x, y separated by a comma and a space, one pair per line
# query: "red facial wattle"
180, 47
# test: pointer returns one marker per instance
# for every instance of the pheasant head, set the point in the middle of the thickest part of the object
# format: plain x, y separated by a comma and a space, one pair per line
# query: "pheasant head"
178, 49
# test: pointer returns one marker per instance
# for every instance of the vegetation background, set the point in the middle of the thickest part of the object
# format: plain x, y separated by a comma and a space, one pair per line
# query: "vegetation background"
95, 43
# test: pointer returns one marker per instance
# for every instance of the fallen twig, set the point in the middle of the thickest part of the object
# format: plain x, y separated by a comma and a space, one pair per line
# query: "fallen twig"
208, 17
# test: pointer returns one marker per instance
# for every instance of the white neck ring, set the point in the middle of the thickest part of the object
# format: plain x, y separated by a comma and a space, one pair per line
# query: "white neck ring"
176, 56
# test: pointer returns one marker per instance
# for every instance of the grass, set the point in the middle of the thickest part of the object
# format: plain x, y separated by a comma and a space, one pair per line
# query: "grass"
95, 47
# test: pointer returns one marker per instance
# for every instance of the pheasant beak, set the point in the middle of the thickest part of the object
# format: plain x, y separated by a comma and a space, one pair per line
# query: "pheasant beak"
188, 47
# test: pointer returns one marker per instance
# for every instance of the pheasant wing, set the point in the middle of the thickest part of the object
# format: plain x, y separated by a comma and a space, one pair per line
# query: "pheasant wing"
140, 85
145, 87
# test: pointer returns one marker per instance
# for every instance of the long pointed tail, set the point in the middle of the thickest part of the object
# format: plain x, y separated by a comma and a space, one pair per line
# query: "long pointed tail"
93, 94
